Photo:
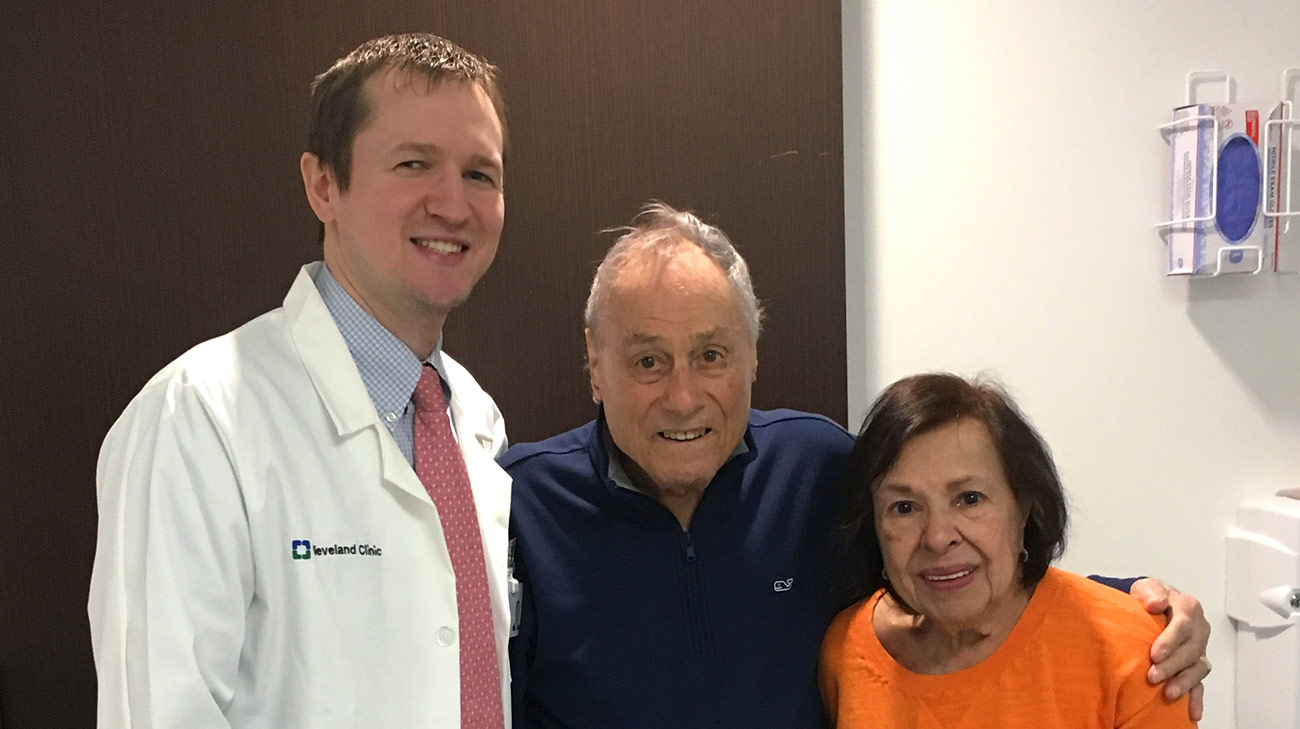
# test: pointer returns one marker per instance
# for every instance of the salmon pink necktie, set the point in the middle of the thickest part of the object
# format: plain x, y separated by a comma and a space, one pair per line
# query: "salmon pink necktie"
441, 467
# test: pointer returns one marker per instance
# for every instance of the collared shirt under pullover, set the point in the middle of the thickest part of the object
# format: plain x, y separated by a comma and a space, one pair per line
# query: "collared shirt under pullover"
629, 621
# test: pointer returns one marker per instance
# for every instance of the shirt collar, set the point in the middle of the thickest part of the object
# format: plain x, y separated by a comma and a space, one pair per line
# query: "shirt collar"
388, 368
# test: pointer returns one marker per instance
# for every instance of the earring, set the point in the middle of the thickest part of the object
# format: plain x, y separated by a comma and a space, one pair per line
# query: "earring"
884, 575
1024, 555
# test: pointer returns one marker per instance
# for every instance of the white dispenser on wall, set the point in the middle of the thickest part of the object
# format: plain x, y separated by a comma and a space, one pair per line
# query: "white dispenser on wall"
1263, 600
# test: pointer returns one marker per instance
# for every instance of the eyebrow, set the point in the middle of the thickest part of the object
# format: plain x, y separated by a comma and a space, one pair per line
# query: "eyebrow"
480, 160
712, 335
893, 488
420, 147
634, 338
902, 488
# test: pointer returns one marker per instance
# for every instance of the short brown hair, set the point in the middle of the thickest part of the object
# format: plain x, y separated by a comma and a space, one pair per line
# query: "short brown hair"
920, 404
339, 108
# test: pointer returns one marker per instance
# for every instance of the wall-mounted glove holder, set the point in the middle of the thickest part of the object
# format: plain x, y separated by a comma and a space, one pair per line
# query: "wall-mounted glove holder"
1229, 184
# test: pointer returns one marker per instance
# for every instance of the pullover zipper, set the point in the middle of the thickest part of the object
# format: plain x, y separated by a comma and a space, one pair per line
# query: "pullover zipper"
694, 599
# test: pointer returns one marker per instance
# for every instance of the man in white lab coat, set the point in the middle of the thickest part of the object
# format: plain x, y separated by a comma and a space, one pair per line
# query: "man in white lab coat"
267, 555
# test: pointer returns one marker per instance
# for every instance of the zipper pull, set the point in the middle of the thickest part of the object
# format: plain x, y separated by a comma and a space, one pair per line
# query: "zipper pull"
690, 548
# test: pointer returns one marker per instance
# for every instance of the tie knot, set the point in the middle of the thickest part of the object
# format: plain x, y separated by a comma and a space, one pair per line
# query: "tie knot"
428, 391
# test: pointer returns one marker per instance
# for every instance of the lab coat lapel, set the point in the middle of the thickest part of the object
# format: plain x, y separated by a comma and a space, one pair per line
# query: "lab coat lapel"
338, 383
488, 482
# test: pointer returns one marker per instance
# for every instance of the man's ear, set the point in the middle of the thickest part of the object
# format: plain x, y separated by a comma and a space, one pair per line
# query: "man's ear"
318, 182
593, 362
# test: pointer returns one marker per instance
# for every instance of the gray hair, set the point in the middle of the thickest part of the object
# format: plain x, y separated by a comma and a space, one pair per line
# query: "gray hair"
658, 229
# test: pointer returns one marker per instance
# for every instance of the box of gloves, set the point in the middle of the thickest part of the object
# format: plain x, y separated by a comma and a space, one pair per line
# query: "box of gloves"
1219, 164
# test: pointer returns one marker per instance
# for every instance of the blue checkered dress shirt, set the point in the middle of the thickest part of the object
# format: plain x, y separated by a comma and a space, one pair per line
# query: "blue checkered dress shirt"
388, 368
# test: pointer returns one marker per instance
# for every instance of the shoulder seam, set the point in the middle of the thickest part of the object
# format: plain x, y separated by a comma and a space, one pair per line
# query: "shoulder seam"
507, 461
797, 415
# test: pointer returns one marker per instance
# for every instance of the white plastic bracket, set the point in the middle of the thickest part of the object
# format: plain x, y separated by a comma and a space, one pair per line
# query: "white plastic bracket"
1259, 258
1284, 127
1193, 77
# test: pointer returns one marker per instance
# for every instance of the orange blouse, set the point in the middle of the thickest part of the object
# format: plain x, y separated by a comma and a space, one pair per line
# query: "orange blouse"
1077, 658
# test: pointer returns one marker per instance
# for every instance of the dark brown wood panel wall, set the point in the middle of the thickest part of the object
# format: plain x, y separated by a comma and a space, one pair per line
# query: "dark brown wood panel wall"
149, 199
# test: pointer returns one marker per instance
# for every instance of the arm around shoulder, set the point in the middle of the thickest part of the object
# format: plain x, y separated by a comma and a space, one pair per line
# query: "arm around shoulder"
1159, 713
1140, 704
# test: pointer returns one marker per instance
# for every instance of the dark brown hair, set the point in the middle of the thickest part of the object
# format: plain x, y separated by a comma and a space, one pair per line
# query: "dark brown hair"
339, 108
922, 403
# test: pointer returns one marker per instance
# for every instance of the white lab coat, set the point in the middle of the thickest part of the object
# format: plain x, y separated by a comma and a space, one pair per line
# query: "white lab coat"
203, 611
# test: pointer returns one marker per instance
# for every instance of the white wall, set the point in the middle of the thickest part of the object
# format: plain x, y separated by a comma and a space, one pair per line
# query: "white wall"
1003, 174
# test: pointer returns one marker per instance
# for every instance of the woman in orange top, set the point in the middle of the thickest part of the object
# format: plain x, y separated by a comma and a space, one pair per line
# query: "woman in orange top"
954, 513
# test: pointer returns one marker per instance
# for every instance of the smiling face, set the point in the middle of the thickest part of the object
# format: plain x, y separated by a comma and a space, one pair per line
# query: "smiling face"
421, 218
673, 363
950, 528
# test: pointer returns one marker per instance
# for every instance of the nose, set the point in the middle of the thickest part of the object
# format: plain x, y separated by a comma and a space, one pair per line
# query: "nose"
941, 531
682, 392
445, 197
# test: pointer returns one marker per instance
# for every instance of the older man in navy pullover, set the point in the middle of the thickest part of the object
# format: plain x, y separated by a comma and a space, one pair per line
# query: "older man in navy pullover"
675, 554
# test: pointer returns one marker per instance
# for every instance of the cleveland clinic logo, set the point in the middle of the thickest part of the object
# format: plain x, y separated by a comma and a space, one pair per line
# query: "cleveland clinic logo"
302, 549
